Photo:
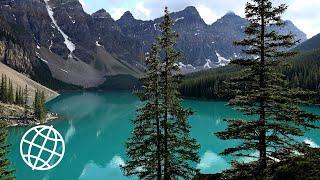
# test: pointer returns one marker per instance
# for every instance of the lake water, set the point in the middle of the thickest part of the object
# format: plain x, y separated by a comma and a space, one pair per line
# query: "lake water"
95, 127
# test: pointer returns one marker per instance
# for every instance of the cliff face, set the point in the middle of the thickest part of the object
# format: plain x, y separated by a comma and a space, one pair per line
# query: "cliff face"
78, 48
14, 56
83, 49
204, 46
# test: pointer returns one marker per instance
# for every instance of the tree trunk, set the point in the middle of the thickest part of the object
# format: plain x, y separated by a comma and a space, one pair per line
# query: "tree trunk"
166, 175
158, 134
262, 83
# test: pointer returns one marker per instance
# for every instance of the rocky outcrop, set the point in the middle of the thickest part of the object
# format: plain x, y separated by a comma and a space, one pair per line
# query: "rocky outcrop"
72, 39
14, 56
84, 49
203, 45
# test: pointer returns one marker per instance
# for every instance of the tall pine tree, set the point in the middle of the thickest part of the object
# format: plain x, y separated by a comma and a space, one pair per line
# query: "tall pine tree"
10, 93
180, 150
161, 147
4, 89
262, 93
143, 148
5, 171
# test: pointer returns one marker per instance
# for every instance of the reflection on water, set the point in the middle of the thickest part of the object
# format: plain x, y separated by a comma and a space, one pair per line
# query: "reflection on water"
211, 162
311, 143
70, 132
95, 127
112, 169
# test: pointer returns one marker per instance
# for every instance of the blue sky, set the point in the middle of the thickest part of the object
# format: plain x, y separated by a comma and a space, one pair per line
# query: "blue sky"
304, 13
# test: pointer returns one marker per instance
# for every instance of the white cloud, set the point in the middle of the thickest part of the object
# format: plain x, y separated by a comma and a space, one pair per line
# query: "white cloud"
210, 162
311, 143
116, 13
82, 2
112, 169
70, 132
305, 15
207, 14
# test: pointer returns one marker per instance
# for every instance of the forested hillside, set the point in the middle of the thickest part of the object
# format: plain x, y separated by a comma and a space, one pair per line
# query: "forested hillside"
302, 70
311, 44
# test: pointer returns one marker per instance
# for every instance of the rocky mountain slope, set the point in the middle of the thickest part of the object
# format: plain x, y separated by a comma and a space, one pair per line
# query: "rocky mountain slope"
84, 50
78, 48
20, 80
204, 46
311, 44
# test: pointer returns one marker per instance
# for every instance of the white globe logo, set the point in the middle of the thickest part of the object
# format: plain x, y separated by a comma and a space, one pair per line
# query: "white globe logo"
42, 147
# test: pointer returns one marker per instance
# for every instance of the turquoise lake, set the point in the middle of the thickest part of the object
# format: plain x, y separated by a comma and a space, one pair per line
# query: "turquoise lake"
95, 127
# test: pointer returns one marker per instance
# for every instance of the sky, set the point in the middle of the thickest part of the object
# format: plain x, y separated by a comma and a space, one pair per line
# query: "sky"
305, 14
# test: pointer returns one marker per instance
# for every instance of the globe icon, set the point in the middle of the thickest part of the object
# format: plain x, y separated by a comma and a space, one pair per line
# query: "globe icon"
42, 147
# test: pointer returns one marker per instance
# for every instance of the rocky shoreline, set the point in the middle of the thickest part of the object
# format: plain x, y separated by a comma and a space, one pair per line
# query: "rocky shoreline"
15, 115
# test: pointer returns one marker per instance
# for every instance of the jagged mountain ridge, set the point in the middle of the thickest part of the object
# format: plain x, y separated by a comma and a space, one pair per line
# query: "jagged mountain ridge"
202, 44
78, 48
83, 49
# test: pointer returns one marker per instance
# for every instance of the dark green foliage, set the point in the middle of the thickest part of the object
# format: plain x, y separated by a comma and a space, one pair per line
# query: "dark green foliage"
143, 148
302, 71
305, 166
161, 147
7, 94
209, 84
40, 111
179, 148
10, 93
5, 170
4, 89
310, 44
263, 94
297, 167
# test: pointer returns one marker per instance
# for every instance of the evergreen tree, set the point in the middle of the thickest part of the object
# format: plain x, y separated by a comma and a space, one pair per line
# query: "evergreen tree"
5, 171
39, 106
161, 147
10, 93
17, 96
262, 93
43, 111
25, 96
144, 147
24, 101
4, 89
180, 150
36, 105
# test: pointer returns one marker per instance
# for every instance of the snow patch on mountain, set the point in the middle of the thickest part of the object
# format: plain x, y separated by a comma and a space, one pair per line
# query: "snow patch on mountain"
70, 45
184, 67
43, 60
97, 44
221, 60
178, 19
207, 65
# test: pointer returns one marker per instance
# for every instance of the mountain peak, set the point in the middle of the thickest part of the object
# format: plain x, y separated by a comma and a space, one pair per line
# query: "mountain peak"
127, 15
230, 14
102, 13
231, 19
190, 14
191, 9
